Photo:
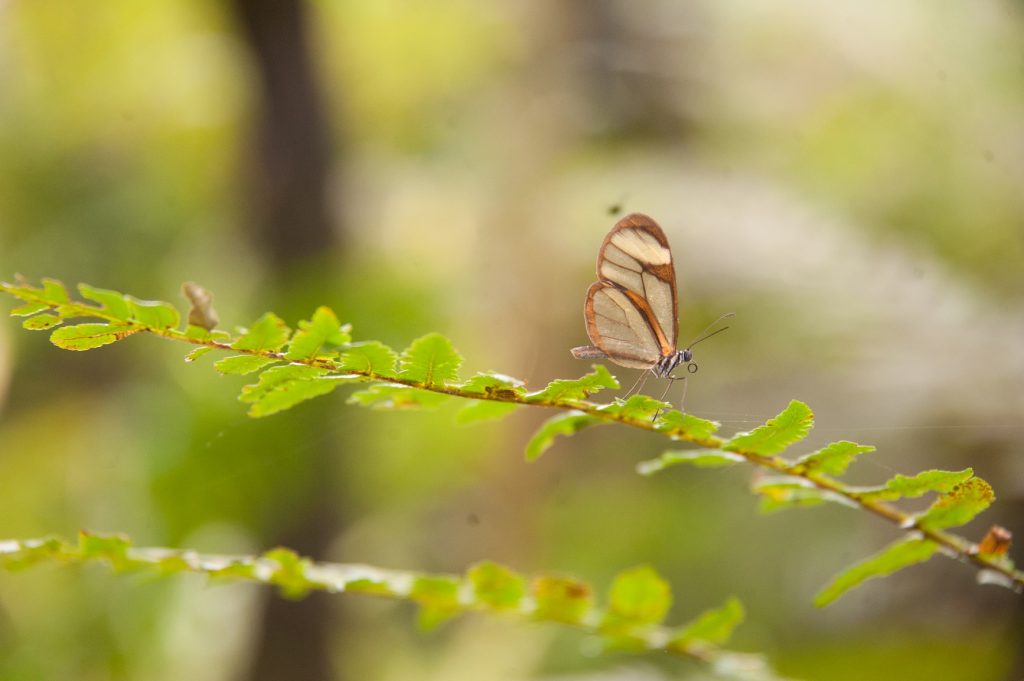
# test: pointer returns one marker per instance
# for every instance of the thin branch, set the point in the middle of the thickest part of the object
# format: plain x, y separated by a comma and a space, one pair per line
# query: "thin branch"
957, 546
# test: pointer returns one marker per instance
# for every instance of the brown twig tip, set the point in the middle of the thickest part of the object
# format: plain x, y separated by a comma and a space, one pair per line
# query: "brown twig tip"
996, 542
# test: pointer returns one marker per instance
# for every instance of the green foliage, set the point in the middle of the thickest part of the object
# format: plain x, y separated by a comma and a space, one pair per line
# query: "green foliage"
197, 353
902, 486
153, 313
323, 330
636, 408
430, 361
110, 301
779, 492
282, 387
958, 506
438, 598
89, 336
289, 572
896, 556
368, 357
680, 426
41, 322
387, 397
701, 458
566, 391
563, 424
834, 458
713, 626
561, 599
269, 332
242, 364
496, 586
638, 596
495, 386
483, 410
322, 355
792, 425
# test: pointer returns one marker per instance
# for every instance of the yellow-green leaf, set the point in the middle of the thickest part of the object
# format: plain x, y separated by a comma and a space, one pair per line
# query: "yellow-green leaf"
243, 364
269, 332
638, 596
896, 556
89, 336
495, 585
563, 424
792, 425
430, 360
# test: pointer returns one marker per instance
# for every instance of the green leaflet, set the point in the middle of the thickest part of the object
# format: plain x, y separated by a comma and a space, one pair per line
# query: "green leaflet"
711, 626
495, 585
54, 292
563, 424
438, 598
385, 396
430, 360
903, 486
476, 411
89, 336
112, 547
780, 492
368, 357
561, 599
702, 458
283, 387
197, 353
792, 425
637, 408
958, 506
243, 364
290, 574
834, 458
269, 332
494, 385
638, 596
569, 390
323, 329
678, 425
28, 309
41, 322
896, 556
112, 302
154, 314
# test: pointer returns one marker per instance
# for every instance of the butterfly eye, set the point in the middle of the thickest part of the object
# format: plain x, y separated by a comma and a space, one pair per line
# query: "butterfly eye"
687, 355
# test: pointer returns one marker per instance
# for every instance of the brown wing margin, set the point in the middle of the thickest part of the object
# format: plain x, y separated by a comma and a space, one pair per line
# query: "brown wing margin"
665, 272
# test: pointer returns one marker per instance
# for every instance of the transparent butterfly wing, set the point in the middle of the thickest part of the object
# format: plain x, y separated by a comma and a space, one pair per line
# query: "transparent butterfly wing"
631, 313
617, 327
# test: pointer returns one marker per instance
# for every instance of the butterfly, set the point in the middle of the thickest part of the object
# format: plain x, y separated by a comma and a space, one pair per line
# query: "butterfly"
631, 312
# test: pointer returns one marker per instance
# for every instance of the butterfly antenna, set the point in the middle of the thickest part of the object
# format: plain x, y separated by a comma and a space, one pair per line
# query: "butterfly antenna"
702, 337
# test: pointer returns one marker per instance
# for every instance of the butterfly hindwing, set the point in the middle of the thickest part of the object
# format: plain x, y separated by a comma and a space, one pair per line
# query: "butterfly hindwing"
617, 326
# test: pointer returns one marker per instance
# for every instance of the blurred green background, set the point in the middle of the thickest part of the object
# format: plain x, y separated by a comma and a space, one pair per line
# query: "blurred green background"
847, 177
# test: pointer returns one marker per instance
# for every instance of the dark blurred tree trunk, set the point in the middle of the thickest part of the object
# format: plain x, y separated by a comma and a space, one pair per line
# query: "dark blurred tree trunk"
627, 62
290, 208
286, 207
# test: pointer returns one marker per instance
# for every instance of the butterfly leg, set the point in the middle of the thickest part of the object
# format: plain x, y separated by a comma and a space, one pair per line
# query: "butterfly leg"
638, 386
682, 400
671, 380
